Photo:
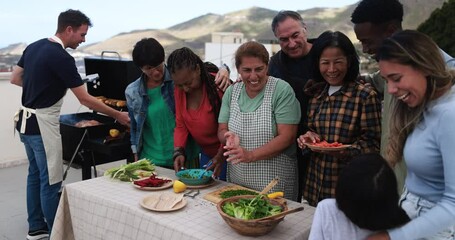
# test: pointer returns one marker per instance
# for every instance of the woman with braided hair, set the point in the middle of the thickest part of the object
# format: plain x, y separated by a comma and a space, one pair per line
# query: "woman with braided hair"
197, 103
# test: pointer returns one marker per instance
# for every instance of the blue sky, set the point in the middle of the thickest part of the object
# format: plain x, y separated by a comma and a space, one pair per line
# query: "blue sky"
27, 21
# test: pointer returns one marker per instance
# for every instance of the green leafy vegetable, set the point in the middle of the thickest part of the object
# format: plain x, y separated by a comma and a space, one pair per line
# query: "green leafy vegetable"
257, 207
129, 172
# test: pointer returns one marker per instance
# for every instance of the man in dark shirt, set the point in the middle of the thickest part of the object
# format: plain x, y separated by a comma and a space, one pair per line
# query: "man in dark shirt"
45, 72
293, 64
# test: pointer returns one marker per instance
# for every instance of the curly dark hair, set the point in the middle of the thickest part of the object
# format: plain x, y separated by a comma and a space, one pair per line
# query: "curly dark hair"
377, 11
185, 58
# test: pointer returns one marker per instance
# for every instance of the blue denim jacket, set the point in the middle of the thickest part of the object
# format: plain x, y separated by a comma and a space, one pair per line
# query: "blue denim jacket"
138, 101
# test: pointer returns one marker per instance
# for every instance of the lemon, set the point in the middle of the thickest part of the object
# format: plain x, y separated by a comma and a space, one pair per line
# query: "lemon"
114, 132
275, 195
179, 186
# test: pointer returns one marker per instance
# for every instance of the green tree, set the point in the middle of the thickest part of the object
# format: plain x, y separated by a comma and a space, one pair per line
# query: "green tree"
440, 26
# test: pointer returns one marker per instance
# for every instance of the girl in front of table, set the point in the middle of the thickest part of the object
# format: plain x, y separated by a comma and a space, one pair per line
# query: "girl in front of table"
422, 130
197, 106
342, 110
264, 113
366, 202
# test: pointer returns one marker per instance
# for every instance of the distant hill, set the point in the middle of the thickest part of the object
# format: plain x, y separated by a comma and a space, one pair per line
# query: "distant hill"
253, 22
123, 43
13, 49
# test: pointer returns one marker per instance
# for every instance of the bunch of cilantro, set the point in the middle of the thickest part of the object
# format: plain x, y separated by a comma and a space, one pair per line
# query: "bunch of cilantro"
254, 208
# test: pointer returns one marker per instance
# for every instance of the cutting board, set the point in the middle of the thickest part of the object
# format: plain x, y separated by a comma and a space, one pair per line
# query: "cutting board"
215, 195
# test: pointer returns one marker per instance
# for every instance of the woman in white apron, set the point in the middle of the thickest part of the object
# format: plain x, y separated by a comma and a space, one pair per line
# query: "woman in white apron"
263, 113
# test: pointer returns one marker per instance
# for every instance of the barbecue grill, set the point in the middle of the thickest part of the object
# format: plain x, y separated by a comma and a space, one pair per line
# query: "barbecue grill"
91, 145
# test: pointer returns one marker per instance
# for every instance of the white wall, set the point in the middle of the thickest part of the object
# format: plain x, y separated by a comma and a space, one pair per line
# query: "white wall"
11, 148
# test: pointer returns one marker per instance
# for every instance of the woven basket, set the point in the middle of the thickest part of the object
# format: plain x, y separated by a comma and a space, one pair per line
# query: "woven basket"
250, 227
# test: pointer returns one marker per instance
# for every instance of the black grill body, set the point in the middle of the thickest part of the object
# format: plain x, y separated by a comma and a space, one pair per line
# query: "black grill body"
90, 146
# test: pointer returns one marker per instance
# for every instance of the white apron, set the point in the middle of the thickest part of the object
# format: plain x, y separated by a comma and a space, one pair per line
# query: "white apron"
26, 114
49, 125
255, 130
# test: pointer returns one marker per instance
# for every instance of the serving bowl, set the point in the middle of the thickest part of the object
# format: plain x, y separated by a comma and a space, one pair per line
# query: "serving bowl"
191, 176
253, 227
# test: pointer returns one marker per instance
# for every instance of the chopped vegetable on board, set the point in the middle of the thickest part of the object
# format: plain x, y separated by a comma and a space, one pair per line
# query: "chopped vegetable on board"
236, 192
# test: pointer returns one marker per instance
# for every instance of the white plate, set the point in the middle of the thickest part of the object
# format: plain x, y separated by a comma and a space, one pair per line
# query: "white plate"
164, 186
161, 202
327, 149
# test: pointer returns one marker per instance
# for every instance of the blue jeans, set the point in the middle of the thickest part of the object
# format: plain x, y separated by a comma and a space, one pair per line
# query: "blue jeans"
415, 206
206, 158
42, 198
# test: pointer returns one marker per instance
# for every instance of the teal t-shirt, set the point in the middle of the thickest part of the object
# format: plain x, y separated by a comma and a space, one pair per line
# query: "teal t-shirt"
158, 132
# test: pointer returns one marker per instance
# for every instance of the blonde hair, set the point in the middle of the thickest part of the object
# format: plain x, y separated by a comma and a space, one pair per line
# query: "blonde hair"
419, 51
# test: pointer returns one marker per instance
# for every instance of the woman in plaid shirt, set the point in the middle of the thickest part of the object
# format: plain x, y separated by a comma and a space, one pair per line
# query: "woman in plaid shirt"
341, 110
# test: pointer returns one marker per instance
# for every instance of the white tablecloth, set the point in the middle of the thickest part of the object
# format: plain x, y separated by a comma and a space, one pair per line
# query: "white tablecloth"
103, 208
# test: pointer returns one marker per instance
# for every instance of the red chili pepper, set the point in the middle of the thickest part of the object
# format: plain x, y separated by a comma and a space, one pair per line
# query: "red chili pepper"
152, 181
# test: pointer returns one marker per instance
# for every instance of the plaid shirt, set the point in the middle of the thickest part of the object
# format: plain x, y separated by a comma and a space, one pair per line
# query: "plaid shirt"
351, 115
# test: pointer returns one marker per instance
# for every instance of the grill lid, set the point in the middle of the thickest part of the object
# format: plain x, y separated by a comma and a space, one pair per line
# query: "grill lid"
114, 75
